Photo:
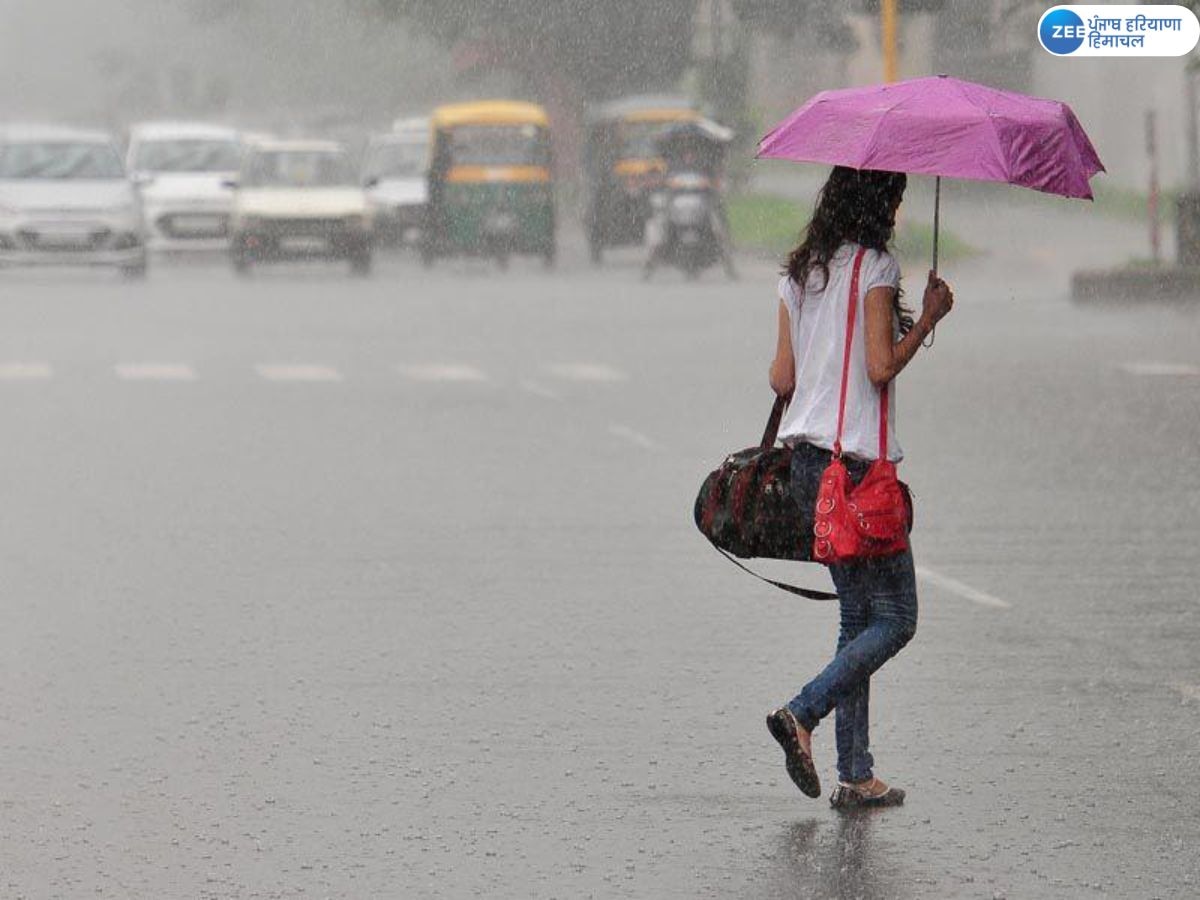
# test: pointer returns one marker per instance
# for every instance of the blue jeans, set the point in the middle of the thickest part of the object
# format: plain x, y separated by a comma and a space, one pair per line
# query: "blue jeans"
878, 600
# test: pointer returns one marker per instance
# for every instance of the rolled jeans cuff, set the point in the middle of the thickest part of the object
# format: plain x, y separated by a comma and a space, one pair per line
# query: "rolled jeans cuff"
805, 717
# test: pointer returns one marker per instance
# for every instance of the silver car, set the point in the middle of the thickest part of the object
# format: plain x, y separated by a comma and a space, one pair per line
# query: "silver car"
65, 200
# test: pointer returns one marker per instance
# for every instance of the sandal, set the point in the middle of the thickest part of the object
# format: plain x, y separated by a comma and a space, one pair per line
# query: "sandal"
786, 728
849, 796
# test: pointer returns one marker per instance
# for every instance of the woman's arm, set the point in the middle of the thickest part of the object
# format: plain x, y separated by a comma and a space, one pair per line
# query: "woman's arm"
783, 367
887, 357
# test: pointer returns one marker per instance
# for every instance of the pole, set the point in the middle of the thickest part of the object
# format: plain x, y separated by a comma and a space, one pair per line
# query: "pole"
887, 12
1152, 197
1193, 137
714, 24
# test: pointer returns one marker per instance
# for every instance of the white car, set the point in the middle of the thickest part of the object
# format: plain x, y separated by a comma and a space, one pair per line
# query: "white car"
396, 176
300, 200
181, 169
65, 200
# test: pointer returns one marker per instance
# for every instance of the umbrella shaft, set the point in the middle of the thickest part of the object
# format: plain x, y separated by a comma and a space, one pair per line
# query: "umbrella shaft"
937, 205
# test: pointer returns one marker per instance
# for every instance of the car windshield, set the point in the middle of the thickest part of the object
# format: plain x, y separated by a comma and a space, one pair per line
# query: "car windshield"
396, 159
62, 160
300, 168
499, 145
187, 156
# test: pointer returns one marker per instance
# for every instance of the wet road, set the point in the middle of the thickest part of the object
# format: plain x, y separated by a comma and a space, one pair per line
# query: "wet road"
317, 587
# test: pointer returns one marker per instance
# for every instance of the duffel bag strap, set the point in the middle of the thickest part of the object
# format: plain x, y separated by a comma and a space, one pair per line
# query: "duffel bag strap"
772, 430
808, 593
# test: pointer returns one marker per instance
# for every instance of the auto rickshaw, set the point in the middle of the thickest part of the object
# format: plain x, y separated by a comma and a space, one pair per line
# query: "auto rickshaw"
624, 167
490, 185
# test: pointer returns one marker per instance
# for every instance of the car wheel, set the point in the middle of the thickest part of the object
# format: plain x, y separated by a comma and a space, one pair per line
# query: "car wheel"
360, 264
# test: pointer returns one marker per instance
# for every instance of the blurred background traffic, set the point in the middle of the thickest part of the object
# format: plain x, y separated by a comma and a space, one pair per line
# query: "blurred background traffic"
264, 130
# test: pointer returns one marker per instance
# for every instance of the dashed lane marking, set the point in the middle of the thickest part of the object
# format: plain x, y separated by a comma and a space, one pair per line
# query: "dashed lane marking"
593, 372
635, 437
279, 372
25, 371
1159, 369
954, 586
1189, 692
452, 372
155, 372
539, 390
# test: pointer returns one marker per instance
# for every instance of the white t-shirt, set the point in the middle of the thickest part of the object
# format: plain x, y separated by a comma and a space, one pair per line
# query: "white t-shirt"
818, 323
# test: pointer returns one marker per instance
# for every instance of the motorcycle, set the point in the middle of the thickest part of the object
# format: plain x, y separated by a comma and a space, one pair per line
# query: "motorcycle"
687, 227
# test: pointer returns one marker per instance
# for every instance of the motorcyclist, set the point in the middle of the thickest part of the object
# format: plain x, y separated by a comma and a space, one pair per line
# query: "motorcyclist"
695, 163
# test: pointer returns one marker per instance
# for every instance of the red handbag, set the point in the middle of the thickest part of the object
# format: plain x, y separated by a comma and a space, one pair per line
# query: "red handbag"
872, 518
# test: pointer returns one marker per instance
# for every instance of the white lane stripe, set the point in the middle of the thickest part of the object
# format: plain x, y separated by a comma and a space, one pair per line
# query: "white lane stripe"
539, 390
1152, 368
1189, 692
155, 372
954, 586
280, 372
634, 437
23, 371
594, 372
453, 372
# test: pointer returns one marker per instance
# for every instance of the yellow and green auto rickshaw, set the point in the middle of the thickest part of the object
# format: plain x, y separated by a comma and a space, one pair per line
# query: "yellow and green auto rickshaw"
624, 167
491, 192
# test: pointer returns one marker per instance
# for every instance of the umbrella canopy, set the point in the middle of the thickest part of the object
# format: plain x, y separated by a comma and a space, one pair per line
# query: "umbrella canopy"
942, 126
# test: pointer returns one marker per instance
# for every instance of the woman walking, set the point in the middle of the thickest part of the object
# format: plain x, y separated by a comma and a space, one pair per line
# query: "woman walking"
845, 246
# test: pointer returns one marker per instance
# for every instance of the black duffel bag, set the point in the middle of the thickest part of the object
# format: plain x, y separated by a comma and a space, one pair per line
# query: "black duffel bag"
746, 507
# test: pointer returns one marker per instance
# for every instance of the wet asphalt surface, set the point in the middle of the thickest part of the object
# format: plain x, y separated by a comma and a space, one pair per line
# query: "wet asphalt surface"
389, 588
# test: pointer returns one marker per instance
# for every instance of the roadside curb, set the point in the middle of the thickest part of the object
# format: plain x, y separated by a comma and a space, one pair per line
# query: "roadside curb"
1171, 284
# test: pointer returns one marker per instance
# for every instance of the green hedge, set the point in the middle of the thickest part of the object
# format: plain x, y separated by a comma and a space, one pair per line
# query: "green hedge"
771, 224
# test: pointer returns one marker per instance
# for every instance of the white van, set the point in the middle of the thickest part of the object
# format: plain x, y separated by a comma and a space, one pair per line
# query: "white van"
181, 168
396, 176
299, 200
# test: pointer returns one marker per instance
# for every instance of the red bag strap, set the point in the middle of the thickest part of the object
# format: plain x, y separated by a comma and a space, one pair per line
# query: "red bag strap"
850, 317
883, 420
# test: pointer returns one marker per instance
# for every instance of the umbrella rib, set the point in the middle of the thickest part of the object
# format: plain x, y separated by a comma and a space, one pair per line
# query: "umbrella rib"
1000, 143
962, 92
870, 142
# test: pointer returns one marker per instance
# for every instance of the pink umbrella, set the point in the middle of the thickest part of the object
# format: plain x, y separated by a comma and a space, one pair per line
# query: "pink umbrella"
942, 126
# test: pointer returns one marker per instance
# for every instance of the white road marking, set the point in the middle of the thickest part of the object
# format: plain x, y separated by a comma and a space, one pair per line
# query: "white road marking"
1189, 692
155, 372
23, 371
539, 390
278, 372
594, 372
954, 586
453, 372
635, 437
1153, 369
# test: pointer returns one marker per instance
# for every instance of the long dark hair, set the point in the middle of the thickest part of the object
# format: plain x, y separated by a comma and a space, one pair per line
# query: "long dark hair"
856, 205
